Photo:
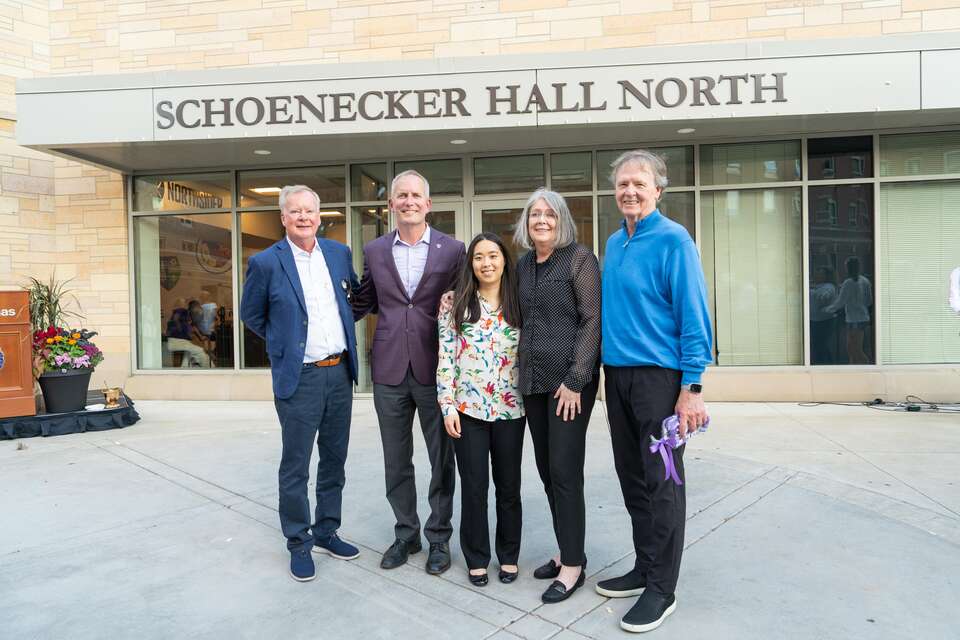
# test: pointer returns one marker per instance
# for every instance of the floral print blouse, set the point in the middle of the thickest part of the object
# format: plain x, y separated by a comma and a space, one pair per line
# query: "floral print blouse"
477, 374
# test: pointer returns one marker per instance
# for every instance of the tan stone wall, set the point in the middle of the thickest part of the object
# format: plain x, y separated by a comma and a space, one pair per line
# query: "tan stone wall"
99, 37
55, 213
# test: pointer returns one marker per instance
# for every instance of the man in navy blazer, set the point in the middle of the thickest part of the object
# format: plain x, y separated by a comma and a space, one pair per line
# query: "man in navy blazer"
405, 273
296, 296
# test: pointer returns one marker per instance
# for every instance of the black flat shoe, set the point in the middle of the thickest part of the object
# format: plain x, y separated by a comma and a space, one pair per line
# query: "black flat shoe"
547, 571
557, 592
506, 577
480, 580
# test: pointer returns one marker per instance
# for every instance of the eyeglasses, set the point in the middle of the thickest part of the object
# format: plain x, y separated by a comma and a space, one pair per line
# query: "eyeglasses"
307, 212
547, 215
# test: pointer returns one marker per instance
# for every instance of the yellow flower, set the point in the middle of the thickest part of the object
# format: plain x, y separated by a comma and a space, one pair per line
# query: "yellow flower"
71, 341
75, 336
49, 340
59, 339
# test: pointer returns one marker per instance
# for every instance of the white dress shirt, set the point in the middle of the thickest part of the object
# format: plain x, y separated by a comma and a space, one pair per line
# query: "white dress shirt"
411, 259
955, 290
856, 297
325, 335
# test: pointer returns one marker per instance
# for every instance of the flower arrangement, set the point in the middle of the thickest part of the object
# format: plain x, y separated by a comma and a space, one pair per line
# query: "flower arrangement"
59, 349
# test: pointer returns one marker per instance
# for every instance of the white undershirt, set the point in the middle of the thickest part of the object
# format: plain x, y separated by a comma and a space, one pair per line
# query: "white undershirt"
325, 336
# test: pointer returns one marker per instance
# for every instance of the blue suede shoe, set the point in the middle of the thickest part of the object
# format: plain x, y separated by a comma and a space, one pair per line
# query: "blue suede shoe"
301, 566
334, 546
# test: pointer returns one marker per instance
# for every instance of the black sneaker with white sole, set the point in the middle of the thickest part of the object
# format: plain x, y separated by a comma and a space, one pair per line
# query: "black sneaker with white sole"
629, 584
649, 612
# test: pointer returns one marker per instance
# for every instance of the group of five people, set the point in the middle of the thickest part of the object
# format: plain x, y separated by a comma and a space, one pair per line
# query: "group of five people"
514, 343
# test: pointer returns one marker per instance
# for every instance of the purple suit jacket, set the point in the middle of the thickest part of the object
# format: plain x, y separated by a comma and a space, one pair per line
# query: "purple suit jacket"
406, 334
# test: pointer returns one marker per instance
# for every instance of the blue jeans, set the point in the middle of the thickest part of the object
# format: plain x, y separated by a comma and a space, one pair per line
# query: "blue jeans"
319, 409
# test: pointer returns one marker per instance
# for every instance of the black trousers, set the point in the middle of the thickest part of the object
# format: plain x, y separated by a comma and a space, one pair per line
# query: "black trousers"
395, 405
481, 445
559, 449
638, 399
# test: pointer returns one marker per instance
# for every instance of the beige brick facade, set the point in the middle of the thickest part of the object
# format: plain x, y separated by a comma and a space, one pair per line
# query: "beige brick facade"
57, 214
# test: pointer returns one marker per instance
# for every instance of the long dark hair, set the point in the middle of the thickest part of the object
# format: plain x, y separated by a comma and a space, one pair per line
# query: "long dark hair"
466, 306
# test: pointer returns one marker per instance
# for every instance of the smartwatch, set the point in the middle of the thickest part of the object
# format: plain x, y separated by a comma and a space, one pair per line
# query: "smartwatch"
694, 387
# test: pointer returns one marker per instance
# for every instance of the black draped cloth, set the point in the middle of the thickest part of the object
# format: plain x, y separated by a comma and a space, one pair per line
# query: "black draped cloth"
58, 424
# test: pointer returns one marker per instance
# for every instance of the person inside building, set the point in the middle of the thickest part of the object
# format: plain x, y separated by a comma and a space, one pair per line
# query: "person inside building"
823, 335
404, 274
656, 344
184, 337
559, 285
855, 298
477, 387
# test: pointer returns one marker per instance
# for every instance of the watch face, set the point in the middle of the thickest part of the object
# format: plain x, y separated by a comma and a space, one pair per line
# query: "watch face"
696, 388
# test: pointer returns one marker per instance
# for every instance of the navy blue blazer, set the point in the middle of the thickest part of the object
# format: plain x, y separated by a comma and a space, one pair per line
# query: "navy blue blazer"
273, 307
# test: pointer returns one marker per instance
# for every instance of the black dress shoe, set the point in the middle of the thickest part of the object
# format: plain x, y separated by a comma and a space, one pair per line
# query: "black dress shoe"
557, 592
506, 577
438, 560
649, 612
478, 580
547, 571
396, 555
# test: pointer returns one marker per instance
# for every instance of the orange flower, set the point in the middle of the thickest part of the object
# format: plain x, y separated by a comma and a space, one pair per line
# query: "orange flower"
49, 340
75, 336
71, 341
58, 339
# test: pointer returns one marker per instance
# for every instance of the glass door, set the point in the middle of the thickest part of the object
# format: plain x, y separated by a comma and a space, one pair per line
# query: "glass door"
500, 217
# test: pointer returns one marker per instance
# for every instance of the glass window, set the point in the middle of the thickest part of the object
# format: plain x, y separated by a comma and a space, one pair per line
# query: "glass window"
750, 163
581, 208
920, 232
841, 275
679, 206
752, 259
679, 161
445, 176
501, 219
444, 219
510, 174
262, 188
369, 181
184, 291
830, 158
182, 192
571, 172
919, 154
369, 223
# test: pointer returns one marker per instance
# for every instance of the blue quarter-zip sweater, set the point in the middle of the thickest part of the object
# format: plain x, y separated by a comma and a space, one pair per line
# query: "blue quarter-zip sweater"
655, 300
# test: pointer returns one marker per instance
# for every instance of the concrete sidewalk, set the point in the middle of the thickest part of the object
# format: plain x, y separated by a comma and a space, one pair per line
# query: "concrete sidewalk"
803, 522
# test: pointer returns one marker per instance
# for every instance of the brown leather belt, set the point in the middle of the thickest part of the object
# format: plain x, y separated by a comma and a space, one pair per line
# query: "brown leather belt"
332, 361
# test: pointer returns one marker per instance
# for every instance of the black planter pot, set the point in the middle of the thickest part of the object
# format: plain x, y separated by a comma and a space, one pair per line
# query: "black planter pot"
65, 391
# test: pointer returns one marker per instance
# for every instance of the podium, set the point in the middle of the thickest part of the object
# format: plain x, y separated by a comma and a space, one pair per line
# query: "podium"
16, 344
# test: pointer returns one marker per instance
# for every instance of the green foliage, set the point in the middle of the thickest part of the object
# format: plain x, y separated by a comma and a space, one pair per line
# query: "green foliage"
49, 301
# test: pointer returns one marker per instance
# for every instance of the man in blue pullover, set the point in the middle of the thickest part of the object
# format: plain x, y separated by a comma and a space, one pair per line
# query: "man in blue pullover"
656, 344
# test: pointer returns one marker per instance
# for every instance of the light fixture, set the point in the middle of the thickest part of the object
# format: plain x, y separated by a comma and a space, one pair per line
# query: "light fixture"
686, 130
262, 152
330, 214
458, 141
266, 191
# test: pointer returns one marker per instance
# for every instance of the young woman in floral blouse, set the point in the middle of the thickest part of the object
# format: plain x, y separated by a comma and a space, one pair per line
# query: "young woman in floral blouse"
477, 389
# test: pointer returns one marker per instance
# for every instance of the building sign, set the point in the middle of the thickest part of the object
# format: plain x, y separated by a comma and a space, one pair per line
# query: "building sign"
190, 198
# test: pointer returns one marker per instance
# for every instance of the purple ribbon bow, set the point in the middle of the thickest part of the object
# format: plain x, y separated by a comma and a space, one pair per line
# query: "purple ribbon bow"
669, 441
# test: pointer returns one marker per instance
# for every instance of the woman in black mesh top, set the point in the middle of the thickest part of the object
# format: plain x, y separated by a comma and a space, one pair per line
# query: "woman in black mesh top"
559, 353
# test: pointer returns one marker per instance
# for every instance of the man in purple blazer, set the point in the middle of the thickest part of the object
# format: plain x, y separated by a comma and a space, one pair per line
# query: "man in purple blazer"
404, 274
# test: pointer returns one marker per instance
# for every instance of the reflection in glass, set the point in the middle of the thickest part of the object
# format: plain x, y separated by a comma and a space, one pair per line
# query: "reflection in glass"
829, 158
184, 291
571, 172
679, 161
747, 163
443, 219
369, 181
676, 205
258, 231
503, 221
841, 324
262, 188
752, 258
182, 192
509, 174
368, 224
445, 176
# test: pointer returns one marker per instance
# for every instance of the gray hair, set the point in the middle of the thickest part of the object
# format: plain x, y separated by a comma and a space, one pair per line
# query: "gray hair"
647, 159
410, 172
291, 189
566, 229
